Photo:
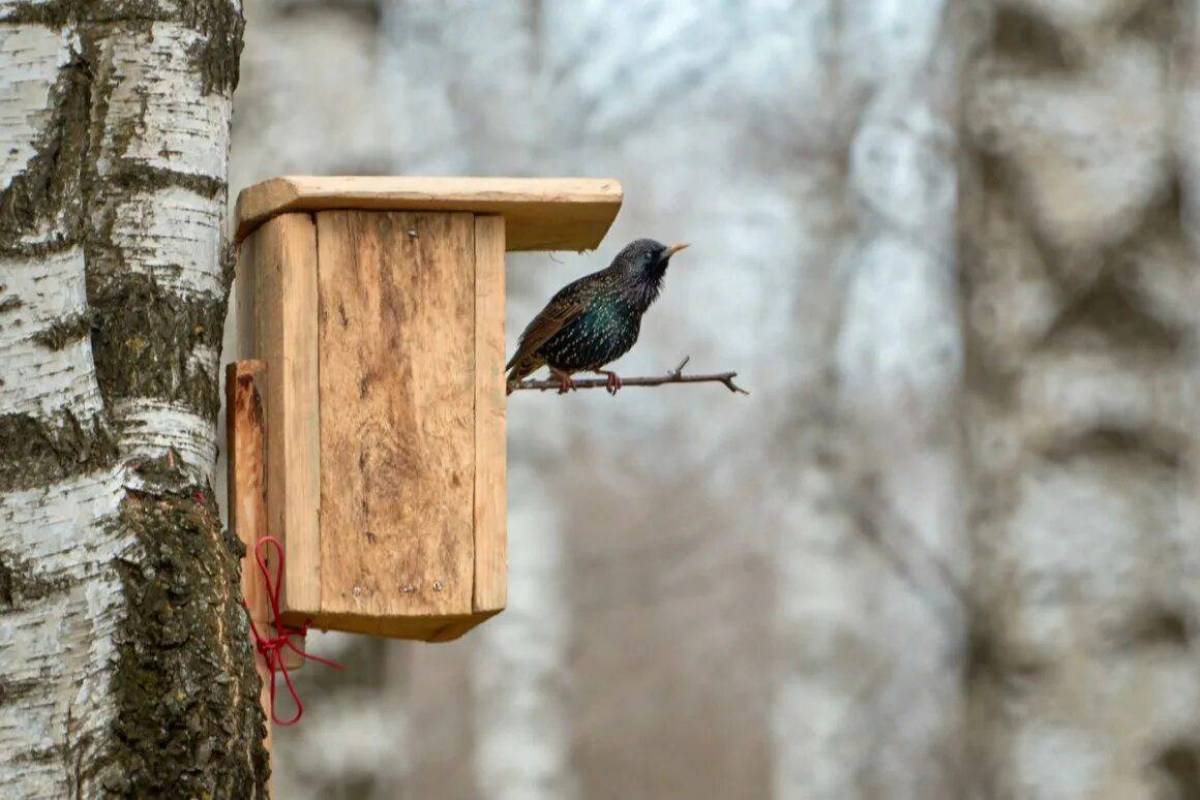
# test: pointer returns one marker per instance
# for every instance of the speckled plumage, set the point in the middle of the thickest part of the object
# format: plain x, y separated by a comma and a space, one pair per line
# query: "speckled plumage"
596, 319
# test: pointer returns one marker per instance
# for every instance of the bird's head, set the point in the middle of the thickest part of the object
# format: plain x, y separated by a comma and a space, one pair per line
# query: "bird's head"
646, 260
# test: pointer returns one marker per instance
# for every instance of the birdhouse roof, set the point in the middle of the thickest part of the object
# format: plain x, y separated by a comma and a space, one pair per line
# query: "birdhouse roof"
539, 213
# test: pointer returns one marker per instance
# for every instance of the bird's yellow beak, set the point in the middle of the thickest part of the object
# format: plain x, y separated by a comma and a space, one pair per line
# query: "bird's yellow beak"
673, 249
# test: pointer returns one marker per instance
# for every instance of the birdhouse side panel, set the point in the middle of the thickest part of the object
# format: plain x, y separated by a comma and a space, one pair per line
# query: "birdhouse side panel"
396, 329
277, 306
491, 502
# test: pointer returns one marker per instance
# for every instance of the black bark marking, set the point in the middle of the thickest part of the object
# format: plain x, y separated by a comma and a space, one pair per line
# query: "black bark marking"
39, 452
70, 328
144, 339
186, 712
19, 586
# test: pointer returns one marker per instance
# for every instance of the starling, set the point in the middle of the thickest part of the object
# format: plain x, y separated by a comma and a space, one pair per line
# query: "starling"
595, 319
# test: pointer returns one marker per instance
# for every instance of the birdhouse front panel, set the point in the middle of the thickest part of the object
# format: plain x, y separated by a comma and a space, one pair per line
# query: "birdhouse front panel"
382, 333
396, 348
383, 483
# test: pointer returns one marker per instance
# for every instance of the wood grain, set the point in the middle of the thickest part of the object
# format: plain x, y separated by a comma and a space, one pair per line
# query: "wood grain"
397, 432
491, 501
281, 260
247, 500
245, 458
245, 436
246, 442
245, 285
540, 213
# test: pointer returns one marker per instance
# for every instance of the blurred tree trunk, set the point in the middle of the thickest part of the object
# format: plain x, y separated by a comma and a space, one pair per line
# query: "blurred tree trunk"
872, 554
1065, 667
125, 668
1080, 291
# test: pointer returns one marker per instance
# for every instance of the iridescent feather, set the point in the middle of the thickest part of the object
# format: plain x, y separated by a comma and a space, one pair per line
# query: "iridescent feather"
596, 319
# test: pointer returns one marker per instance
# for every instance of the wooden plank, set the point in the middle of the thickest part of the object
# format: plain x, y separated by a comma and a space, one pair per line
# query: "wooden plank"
281, 259
397, 347
244, 287
247, 499
246, 440
540, 213
245, 456
247, 493
491, 501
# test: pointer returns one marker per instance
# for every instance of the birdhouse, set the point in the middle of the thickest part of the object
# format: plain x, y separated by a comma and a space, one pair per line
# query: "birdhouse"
377, 308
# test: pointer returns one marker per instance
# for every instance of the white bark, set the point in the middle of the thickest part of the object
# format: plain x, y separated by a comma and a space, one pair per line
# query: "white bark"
60, 541
38, 380
186, 231
59, 647
33, 55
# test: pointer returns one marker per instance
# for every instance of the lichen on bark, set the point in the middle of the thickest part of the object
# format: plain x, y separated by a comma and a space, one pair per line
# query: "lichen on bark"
40, 451
19, 585
65, 331
145, 337
186, 689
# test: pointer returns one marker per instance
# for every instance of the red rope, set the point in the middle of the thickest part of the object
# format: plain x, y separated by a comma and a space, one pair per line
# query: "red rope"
272, 648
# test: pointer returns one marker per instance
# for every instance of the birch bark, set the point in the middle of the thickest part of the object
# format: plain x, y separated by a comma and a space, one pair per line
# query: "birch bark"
125, 669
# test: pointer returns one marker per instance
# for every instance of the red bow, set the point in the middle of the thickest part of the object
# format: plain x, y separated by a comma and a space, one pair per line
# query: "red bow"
272, 648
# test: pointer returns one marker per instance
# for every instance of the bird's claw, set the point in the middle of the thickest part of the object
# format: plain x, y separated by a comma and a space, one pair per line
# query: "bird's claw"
612, 383
565, 382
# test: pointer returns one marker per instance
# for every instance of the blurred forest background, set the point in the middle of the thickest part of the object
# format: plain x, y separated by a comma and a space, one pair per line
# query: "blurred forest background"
948, 546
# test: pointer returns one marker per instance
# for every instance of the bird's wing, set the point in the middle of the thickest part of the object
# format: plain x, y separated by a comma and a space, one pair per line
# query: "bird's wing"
566, 306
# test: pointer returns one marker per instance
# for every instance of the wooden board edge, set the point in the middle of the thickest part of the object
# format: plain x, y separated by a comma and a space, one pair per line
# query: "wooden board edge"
244, 453
244, 287
284, 268
245, 450
583, 209
260, 202
433, 628
490, 500
245, 441
246, 487
301, 361
455, 629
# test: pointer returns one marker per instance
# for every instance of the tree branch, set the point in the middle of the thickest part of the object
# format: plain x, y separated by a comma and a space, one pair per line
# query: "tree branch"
674, 376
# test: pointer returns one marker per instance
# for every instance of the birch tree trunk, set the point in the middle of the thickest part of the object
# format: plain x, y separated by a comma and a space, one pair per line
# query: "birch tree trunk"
125, 669
1080, 292
869, 624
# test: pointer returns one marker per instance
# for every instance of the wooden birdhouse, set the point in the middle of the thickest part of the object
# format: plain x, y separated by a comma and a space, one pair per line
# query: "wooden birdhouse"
377, 308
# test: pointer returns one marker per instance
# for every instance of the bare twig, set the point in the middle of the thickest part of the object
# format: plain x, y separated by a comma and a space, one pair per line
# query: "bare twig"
674, 376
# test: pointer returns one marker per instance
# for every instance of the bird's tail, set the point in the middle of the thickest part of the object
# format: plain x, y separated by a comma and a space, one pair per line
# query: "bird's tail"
520, 370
